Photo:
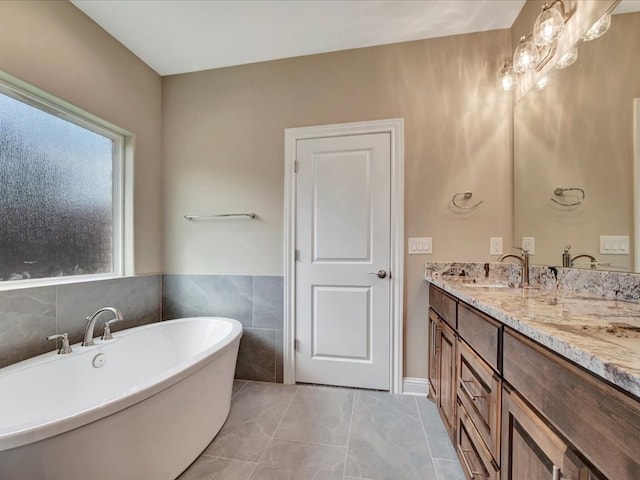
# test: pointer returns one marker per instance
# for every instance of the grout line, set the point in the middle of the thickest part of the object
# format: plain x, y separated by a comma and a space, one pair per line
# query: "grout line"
246, 382
346, 453
426, 437
274, 432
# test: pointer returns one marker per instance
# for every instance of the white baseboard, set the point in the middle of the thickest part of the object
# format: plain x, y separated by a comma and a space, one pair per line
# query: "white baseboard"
415, 386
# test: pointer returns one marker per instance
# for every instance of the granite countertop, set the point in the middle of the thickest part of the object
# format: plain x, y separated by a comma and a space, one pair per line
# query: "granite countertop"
603, 336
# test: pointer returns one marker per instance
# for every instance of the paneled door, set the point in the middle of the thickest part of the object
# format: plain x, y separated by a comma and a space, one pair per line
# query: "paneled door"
343, 229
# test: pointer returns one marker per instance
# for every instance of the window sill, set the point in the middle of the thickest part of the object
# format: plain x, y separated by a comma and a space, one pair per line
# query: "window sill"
54, 281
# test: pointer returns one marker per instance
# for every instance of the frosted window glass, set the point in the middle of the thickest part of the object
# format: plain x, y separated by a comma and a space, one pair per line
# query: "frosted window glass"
56, 195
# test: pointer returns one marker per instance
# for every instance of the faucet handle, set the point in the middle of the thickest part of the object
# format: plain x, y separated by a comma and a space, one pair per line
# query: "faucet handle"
524, 250
106, 335
64, 348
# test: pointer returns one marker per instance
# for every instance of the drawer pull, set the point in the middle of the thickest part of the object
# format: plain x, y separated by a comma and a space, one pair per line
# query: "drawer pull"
468, 467
434, 343
463, 384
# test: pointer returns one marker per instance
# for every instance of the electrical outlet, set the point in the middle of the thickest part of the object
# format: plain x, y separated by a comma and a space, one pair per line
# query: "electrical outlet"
529, 244
495, 246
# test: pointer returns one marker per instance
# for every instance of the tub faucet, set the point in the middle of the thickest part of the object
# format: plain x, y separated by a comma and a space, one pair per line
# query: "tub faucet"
91, 323
524, 261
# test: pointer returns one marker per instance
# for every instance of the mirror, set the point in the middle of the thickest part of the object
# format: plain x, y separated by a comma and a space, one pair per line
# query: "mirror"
574, 154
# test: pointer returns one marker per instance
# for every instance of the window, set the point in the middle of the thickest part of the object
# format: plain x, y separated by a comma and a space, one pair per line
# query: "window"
60, 191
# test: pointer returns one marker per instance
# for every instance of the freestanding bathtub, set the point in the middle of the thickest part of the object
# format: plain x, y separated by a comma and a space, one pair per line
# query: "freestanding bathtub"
142, 406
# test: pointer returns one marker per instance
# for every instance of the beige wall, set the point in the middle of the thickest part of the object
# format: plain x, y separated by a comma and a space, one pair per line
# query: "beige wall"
223, 152
578, 132
57, 48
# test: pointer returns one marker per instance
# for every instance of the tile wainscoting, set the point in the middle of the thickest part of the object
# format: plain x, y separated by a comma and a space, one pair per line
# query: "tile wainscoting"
255, 301
29, 315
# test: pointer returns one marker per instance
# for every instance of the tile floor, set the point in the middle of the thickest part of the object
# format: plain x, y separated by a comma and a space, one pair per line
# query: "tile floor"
299, 432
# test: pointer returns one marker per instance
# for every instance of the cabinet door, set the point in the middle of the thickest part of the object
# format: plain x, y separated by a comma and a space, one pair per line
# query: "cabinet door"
531, 450
447, 399
434, 356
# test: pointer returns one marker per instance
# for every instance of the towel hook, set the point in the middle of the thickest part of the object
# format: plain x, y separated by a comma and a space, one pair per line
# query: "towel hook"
466, 196
560, 191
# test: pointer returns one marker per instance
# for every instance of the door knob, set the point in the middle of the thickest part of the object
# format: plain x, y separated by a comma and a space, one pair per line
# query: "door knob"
379, 274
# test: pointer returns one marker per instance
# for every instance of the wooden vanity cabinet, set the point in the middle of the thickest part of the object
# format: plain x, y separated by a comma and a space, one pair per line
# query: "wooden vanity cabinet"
444, 305
479, 393
531, 450
518, 411
601, 422
442, 369
476, 460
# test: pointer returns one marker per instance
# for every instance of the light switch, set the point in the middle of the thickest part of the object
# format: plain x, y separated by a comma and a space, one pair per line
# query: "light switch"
614, 245
420, 246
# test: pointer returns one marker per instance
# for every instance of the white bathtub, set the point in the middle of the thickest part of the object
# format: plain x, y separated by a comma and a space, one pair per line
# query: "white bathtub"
160, 398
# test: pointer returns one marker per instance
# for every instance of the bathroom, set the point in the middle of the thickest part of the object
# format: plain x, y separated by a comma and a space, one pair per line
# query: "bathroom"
211, 141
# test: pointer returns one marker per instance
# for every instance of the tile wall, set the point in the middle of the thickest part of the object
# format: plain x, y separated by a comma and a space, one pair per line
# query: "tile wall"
29, 315
255, 301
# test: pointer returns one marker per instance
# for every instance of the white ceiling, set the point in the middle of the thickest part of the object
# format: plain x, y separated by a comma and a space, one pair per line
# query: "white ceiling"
178, 36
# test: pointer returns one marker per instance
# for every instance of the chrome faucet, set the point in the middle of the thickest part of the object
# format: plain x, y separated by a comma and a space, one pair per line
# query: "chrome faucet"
91, 323
524, 261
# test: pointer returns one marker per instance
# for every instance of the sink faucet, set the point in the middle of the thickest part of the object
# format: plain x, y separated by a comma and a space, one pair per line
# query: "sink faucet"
524, 261
91, 323
592, 259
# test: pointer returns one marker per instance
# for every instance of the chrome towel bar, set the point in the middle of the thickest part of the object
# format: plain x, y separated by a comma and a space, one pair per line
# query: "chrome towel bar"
212, 216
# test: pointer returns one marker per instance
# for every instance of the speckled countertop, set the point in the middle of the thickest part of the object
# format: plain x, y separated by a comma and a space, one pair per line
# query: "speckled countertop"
602, 336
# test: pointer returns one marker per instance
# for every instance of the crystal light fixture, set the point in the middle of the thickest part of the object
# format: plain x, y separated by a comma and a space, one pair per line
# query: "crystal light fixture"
544, 81
549, 24
598, 29
507, 77
526, 56
568, 58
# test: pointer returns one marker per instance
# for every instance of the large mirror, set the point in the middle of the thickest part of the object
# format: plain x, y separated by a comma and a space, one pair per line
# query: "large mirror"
574, 154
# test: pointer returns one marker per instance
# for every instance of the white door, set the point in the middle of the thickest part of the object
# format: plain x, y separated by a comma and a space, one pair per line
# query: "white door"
343, 228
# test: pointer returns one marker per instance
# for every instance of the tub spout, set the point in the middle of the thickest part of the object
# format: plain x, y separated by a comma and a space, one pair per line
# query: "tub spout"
91, 323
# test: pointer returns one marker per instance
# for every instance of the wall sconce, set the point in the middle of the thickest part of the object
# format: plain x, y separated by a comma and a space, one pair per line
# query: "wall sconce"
568, 58
507, 77
544, 81
536, 49
598, 29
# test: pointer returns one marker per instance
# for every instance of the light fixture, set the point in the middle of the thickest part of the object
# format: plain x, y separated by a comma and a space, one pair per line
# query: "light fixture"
598, 29
507, 77
544, 81
549, 23
568, 59
526, 56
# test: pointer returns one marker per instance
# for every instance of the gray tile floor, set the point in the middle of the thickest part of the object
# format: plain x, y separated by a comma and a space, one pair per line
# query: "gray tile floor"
299, 432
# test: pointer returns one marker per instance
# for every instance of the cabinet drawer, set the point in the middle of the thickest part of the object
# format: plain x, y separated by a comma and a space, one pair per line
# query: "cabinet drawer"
474, 456
599, 420
482, 333
444, 305
479, 391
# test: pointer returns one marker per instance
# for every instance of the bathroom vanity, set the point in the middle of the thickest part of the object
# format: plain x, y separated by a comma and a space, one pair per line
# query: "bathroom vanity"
535, 384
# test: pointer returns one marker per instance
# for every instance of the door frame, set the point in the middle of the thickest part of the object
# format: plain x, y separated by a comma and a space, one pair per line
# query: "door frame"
395, 127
